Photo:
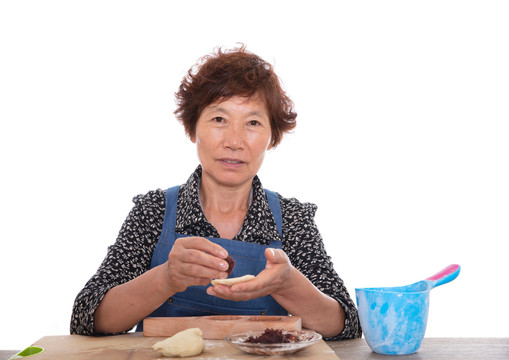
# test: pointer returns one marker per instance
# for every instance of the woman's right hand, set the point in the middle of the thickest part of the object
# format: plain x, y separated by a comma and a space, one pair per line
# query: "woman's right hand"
195, 261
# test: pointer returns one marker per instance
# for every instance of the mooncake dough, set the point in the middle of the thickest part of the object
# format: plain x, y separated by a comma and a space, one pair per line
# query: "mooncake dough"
188, 342
231, 281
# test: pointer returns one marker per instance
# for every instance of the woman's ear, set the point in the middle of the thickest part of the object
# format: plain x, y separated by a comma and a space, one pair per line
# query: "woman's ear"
270, 142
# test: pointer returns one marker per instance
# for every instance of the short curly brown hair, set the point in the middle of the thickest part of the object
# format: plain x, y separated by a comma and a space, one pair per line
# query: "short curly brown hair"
235, 72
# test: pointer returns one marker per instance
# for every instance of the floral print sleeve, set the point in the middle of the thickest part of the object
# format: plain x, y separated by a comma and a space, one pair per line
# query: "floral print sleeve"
126, 259
304, 246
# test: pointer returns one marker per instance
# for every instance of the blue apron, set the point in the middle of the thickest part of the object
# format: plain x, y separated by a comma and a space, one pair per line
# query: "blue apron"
249, 259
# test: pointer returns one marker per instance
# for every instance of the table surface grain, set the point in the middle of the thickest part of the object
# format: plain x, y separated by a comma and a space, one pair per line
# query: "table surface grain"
6, 354
431, 349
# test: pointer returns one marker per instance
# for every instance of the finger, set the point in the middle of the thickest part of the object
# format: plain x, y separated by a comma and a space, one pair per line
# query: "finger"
225, 292
208, 268
204, 259
276, 256
250, 284
200, 243
198, 250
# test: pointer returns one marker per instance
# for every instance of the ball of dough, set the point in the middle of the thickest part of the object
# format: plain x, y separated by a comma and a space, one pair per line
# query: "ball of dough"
188, 342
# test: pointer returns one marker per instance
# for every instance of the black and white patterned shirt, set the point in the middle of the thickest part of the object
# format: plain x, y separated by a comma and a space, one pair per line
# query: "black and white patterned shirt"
131, 254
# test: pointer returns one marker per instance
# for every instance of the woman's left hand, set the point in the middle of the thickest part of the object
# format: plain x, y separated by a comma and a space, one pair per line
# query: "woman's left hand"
292, 290
272, 280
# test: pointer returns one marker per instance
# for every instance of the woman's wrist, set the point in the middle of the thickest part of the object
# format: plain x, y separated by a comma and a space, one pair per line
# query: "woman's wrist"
164, 281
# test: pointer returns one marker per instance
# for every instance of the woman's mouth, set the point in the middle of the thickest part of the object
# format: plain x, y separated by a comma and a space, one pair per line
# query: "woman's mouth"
231, 162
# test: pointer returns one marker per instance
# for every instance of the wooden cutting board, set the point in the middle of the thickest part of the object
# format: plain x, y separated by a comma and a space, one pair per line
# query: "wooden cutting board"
220, 326
135, 346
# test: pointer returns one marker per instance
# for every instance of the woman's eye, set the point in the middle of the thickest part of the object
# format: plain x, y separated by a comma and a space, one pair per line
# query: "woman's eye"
254, 122
218, 119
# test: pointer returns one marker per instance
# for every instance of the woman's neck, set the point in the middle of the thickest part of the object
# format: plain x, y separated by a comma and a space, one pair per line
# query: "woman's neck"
225, 207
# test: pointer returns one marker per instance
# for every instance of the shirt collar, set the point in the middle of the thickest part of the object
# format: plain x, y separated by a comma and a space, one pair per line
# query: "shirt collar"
190, 216
259, 225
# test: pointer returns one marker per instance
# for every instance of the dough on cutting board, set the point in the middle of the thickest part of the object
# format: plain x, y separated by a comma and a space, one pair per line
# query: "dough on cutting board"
231, 281
188, 342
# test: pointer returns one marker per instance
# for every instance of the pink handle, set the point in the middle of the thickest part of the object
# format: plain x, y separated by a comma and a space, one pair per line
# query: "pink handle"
444, 276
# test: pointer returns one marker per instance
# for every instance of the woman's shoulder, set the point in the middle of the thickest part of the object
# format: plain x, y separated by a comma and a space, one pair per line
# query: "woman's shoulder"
152, 199
298, 221
295, 207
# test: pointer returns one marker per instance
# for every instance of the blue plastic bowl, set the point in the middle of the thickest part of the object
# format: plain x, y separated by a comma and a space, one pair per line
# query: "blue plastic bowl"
394, 319
393, 322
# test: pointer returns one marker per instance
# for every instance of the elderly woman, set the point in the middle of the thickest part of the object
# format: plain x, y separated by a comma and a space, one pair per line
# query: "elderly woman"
175, 241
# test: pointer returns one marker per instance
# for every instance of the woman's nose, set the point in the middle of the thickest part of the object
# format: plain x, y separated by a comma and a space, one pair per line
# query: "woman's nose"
234, 138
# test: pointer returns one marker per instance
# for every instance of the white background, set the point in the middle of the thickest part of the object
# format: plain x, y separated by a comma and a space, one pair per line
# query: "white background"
402, 140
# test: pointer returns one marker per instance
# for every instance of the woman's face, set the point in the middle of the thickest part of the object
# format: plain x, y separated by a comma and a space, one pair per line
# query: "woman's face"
232, 137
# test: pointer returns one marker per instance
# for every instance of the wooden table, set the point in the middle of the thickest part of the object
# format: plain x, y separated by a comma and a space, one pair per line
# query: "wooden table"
431, 349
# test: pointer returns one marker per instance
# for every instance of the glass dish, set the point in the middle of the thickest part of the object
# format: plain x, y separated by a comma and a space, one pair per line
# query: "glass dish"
305, 339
